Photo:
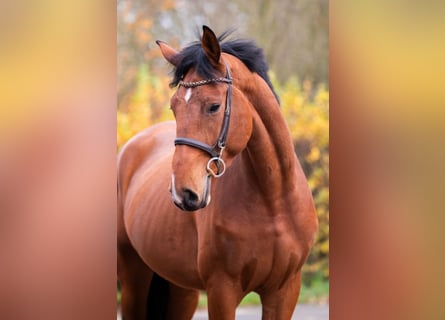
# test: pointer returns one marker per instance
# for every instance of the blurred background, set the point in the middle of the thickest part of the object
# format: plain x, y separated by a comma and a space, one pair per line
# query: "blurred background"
294, 37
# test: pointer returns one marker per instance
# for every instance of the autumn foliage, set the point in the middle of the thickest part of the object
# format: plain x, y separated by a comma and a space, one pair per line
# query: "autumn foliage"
306, 111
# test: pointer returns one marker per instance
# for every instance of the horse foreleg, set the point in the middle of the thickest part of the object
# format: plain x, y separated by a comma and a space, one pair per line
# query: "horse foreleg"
280, 304
134, 277
182, 303
222, 298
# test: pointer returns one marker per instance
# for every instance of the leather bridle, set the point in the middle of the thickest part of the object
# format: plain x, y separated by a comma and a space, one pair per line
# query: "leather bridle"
215, 151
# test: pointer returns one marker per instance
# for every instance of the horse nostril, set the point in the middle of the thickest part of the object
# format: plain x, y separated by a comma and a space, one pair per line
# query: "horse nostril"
190, 200
190, 196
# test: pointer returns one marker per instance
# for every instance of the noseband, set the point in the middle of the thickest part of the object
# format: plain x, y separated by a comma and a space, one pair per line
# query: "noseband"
217, 149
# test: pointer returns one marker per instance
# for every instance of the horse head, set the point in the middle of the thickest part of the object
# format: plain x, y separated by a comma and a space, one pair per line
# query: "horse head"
213, 119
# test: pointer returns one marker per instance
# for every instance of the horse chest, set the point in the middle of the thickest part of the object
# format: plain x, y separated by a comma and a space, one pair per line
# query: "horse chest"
257, 254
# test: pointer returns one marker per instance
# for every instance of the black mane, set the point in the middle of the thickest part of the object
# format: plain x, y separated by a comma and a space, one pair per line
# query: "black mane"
246, 50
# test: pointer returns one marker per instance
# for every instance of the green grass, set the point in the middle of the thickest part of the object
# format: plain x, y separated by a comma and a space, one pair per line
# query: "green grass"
318, 292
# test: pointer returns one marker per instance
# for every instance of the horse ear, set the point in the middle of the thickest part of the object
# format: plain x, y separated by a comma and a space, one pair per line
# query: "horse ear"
168, 52
211, 47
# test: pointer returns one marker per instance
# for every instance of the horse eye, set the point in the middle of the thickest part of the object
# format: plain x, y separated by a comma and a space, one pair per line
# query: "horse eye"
214, 107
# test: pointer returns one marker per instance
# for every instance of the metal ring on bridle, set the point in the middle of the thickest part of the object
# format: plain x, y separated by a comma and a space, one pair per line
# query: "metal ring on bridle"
219, 162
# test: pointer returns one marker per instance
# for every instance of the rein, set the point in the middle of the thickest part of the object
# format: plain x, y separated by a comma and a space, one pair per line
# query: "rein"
215, 151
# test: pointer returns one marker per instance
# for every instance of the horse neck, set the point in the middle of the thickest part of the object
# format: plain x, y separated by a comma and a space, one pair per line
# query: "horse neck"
269, 154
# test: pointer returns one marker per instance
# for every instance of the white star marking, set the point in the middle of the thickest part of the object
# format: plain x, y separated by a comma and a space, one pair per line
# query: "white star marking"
188, 94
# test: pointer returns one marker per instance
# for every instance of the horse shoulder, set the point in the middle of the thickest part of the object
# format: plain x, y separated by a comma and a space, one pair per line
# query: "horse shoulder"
144, 145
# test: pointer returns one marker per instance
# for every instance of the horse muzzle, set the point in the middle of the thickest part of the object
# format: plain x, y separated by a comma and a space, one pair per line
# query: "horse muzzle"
187, 199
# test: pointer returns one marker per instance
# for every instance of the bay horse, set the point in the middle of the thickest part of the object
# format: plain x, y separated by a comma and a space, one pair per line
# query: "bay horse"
216, 200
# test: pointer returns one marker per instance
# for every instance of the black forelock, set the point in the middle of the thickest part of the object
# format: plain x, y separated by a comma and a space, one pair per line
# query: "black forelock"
246, 50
